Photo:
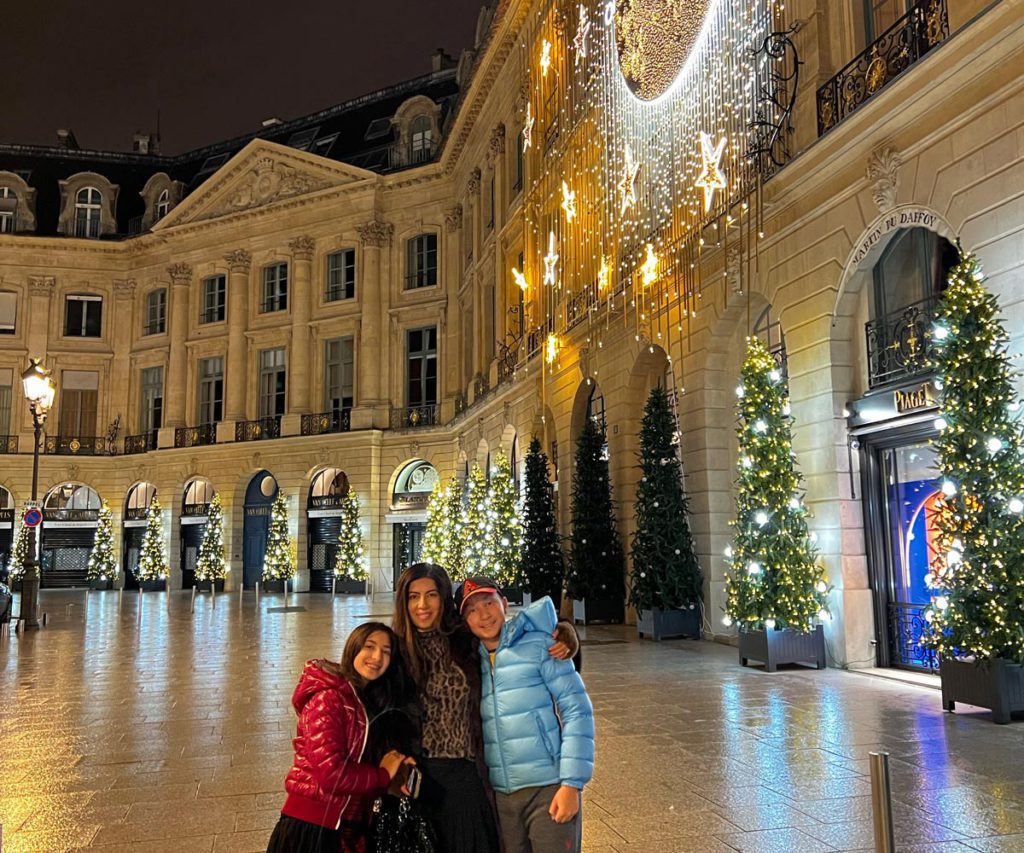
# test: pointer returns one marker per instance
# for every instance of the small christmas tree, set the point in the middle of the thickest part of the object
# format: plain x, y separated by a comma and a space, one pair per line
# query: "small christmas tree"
542, 566
978, 572
774, 578
442, 543
666, 572
278, 560
476, 527
210, 564
153, 553
19, 553
506, 524
597, 560
351, 560
102, 565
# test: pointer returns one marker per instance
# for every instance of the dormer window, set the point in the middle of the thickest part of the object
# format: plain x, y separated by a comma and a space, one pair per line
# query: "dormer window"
88, 210
8, 209
421, 139
163, 204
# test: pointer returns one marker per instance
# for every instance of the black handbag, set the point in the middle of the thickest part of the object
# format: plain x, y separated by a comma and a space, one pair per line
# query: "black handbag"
399, 826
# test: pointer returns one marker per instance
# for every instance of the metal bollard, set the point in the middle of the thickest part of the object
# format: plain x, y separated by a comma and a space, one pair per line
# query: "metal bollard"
257, 595
241, 589
334, 585
141, 593
881, 802
192, 606
213, 591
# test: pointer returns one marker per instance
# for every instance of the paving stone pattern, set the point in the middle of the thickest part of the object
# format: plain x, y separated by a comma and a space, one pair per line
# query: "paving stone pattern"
171, 732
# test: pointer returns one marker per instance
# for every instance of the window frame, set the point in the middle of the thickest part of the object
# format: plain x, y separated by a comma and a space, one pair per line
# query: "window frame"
9, 218
210, 393
275, 287
273, 401
151, 399
421, 139
419, 250
162, 206
156, 312
88, 213
83, 299
427, 356
214, 310
346, 270
11, 298
344, 363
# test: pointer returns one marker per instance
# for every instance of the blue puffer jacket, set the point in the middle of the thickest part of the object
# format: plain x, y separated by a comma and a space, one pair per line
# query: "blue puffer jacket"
524, 744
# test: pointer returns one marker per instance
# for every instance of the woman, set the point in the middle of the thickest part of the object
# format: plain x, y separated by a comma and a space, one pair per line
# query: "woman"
331, 786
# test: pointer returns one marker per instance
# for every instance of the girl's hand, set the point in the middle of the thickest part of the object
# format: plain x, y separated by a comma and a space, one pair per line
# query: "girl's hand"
391, 762
565, 805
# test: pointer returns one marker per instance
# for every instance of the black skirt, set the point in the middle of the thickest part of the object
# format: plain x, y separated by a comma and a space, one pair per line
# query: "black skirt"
292, 835
455, 800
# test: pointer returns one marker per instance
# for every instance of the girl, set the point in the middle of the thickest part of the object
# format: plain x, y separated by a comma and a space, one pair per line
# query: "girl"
331, 787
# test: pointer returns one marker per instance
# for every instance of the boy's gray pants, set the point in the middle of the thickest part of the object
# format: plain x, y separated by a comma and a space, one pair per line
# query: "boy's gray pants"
526, 826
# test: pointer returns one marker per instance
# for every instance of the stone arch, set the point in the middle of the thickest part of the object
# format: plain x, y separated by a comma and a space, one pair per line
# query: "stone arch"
69, 189
483, 454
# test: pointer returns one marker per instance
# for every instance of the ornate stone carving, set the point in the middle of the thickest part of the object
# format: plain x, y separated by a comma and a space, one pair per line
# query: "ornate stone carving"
497, 144
883, 172
453, 218
180, 273
414, 448
41, 285
267, 182
473, 184
376, 233
734, 268
124, 288
239, 260
302, 248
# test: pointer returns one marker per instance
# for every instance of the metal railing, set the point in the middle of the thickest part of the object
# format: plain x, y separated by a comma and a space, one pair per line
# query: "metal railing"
212, 315
414, 417
259, 429
8, 444
426, 277
8, 222
339, 420
481, 385
85, 228
924, 27
908, 630
579, 304
899, 344
157, 327
196, 436
76, 445
134, 226
338, 292
461, 403
140, 443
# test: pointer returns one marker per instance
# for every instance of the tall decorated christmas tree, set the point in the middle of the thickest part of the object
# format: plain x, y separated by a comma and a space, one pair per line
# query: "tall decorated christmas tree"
476, 527
597, 561
775, 579
977, 574
278, 559
210, 564
666, 573
102, 565
351, 559
506, 524
153, 553
442, 543
19, 553
543, 567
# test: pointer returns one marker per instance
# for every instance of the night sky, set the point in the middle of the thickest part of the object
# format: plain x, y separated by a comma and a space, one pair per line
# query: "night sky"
213, 69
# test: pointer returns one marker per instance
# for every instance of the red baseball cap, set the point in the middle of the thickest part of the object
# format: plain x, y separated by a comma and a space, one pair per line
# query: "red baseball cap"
472, 586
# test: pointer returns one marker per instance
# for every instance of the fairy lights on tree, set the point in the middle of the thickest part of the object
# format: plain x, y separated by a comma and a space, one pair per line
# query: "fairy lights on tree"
543, 564
102, 565
19, 553
442, 543
210, 564
279, 558
153, 552
351, 558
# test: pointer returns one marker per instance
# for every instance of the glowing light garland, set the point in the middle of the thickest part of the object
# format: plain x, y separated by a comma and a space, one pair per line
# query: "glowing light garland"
582, 34
711, 177
551, 261
568, 202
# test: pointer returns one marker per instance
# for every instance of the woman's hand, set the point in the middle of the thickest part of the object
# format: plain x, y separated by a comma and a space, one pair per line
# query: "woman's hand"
565, 805
391, 762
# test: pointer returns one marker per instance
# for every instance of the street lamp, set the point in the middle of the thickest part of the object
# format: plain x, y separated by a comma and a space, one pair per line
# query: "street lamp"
39, 390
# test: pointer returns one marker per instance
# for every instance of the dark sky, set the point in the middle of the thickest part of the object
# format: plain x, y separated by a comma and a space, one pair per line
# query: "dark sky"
213, 69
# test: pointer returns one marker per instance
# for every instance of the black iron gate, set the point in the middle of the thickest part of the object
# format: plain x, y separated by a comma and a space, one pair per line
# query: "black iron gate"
323, 551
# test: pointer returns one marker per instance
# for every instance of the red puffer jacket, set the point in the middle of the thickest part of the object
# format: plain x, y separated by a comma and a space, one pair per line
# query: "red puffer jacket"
328, 784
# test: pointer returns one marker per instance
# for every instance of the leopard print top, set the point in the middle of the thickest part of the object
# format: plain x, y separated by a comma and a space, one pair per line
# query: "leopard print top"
445, 697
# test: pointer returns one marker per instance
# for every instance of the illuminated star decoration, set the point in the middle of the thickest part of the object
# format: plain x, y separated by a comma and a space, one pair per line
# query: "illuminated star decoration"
528, 127
604, 275
649, 269
582, 34
545, 57
550, 260
520, 279
568, 202
552, 349
627, 184
711, 177
609, 13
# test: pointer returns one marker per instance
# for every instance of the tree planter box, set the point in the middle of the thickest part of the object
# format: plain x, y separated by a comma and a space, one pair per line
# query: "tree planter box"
783, 646
997, 685
658, 624
153, 586
591, 610
100, 585
348, 586
204, 586
5, 608
272, 586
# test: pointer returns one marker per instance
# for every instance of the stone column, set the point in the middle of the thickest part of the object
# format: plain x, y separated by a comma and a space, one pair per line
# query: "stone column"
40, 290
475, 224
177, 359
300, 363
452, 271
374, 236
496, 161
235, 373
118, 392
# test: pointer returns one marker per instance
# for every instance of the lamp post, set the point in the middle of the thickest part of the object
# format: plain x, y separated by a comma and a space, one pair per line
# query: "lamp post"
39, 390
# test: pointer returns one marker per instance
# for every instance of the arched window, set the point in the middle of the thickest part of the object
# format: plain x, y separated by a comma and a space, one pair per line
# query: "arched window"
136, 506
769, 330
328, 488
72, 496
8, 208
88, 210
198, 495
913, 269
421, 139
163, 205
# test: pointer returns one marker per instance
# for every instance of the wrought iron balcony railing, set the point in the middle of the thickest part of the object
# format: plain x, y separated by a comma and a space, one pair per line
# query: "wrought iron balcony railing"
923, 28
76, 445
140, 443
8, 444
481, 385
259, 429
196, 436
908, 632
579, 304
461, 403
339, 420
899, 344
414, 417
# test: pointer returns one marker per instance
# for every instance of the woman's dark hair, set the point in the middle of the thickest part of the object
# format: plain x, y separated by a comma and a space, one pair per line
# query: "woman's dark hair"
408, 634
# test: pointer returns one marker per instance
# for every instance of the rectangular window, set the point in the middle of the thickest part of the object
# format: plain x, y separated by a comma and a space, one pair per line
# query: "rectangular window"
272, 382
490, 203
421, 261
518, 167
83, 316
8, 312
152, 399
339, 376
79, 392
421, 366
341, 275
879, 15
275, 288
211, 390
6, 392
214, 299
521, 297
156, 312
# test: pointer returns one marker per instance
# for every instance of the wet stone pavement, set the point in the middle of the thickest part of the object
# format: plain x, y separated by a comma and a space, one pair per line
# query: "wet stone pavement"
163, 730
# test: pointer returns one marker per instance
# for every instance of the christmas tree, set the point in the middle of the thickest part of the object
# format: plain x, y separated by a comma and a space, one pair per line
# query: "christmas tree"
19, 553
666, 573
597, 560
351, 561
210, 564
278, 560
978, 572
506, 524
476, 527
774, 577
543, 568
102, 563
153, 555
442, 544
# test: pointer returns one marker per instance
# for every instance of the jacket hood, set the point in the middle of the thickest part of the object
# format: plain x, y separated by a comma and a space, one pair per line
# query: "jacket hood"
314, 680
539, 616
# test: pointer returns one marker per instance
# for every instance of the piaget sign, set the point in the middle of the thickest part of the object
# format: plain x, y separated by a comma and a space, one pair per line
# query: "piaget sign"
922, 397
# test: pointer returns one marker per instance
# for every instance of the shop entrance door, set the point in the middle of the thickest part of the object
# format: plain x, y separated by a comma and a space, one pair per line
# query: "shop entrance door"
407, 546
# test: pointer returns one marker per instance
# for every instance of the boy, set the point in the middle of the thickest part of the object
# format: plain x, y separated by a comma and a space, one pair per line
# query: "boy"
538, 761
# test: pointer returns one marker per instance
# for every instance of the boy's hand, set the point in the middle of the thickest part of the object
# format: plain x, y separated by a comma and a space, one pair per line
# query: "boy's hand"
565, 805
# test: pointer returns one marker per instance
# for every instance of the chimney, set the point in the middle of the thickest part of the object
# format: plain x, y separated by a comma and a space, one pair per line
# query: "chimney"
441, 61
66, 139
145, 143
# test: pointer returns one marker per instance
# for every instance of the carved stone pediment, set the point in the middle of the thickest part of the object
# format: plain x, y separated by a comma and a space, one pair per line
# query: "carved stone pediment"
883, 172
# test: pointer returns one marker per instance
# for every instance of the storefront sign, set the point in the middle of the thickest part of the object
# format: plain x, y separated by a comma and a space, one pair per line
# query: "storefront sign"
922, 397
880, 407
908, 217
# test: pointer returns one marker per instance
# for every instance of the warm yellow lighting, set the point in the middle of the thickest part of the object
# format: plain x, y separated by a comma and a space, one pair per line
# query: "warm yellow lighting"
604, 275
582, 34
545, 57
550, 261
627, 183
520, 279
568, 202
711, 177
528, 127
38, 385
552, 349
649, 270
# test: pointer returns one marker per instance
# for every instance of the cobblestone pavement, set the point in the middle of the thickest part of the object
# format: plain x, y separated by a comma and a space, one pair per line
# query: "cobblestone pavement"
162, 730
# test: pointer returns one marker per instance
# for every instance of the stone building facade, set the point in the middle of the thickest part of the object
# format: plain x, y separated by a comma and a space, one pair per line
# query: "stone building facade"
297, 310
